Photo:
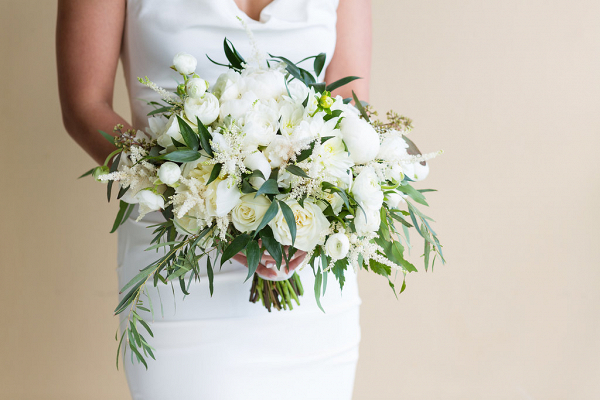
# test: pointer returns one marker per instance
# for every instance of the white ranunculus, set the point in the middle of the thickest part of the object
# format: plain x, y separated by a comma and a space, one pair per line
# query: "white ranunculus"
196, 87
260, 125
248, 214
149, 201
393, 148
266, 84
337, 246
367, 224
310, 223
229, 86
366, 189
185, 63
169, 173
205, 108
395, 172
394, 200
258, 161
360, 138
170, 131
313, 102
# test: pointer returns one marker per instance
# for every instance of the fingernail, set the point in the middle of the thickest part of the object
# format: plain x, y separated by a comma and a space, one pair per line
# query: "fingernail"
270, 265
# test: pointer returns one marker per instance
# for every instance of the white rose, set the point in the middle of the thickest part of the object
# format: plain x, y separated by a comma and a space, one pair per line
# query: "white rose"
196, 87
393, 148
258, 161
367, 224
394, 199
360, 138
248, 214
366, 189
188, 225
149, 201
310, 223
170, 131
169, 173
185, 63
229, 86
337, 246
206, 108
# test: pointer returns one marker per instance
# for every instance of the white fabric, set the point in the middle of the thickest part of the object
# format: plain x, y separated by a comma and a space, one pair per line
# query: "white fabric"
224, 347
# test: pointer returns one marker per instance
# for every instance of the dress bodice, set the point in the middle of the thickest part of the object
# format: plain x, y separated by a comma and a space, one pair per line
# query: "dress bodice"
156, 30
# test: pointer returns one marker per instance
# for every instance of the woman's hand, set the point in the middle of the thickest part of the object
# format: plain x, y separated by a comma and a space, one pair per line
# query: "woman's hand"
267, 266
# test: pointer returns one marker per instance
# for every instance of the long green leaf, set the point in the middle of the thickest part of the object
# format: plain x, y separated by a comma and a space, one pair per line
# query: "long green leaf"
113, 168
253, 257
268, 187
188, 134
360, 107
341, 82
91, 171
296, 170
272, 246
319, 63
269, 215
238, 244
205, 137
181, 156
290, 219
108, 137
122, 209
214, 174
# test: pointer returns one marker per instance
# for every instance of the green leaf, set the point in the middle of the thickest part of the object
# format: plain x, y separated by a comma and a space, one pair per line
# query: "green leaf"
214, 174
338, 270
108, 137
341, 82
113, 168
211, 276
296, 170
272, 245
319, 87
188, 134
234, 58
269, 215
360, 107
253, 257
238, 244
319, 63
268, 187
122, 209
318, 282
379, 268
426, 252
290, 219
413, 193
181, 156
87, 173
205, 137
161, 110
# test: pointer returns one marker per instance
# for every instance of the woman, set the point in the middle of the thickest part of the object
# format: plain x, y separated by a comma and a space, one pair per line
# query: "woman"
220, 347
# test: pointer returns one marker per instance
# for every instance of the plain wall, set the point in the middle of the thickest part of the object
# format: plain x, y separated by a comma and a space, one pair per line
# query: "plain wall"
509, 89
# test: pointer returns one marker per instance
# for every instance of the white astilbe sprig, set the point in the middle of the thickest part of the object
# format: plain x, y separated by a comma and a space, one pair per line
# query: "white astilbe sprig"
189, 194
164, 94
133, 172
258, 56
364, 246
231, 153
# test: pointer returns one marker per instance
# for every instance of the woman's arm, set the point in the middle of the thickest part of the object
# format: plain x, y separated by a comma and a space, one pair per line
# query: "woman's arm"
352, 54
88, 43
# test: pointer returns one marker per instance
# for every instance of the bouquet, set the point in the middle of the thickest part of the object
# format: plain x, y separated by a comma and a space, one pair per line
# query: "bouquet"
266, 158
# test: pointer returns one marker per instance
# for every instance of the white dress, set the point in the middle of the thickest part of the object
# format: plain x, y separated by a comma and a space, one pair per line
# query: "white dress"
224, 347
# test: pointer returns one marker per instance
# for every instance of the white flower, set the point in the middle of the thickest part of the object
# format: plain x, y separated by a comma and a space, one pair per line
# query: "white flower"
258, 161
219, 143
334, 200
196, 87
260, 125
205, 108
279, 150
393, 148
291, 116
185, 63
189, 224
310, 222
337, 246
169, 173
265, 84
149, 201
237, 108
416, 171
360, 138
394, 199
229, 86
334, 158
370, 222
170, 131
298, 90
248, 214
221, 197
156, 126
366, 189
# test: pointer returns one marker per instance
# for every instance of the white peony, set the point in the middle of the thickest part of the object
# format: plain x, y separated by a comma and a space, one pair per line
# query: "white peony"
248, 214
258, 161
360, 138
229, 86
370, 222
149, 201
265, 84
205, 108
196, 87
298, 90
310, 223
237, 108
185, 63
394, 199
393, 148
416, 171
366, 189
169, 173
337, 246
260, 125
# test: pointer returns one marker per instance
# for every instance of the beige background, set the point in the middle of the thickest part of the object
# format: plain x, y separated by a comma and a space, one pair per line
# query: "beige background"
509, 89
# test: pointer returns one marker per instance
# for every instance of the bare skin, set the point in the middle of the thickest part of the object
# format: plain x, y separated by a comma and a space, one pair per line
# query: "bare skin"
88, 43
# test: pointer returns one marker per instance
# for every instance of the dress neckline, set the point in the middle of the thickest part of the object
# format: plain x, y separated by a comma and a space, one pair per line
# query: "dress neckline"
241, 13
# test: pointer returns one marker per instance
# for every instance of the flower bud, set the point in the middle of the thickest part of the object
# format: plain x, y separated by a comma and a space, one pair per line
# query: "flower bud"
326, 101
196, 87
98, 171
185, 63
149, 200
169, 173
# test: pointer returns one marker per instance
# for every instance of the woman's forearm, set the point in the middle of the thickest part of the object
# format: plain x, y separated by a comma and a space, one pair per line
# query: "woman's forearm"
84, 123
